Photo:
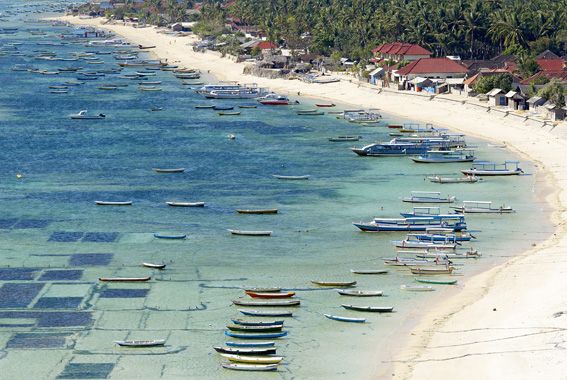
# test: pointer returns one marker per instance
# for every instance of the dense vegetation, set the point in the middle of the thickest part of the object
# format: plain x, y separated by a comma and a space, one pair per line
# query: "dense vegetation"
469, 28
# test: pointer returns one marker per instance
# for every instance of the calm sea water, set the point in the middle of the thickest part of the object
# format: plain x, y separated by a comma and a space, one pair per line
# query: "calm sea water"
58, 321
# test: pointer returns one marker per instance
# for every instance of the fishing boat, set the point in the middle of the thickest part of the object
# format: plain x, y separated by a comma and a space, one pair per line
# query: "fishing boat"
291, 177
247, 106
434, 281
173, 170
82, 115
256, 323
245, 350
481, 207
335, 283
223, 108
344, 138
362, 117
493, 169
149, 88
253, 359
250, 367
274, 100
150, 83
203, 107
241, 93
360, 293
310, 113
258, 211
410, 224
251, 344
272, 289
140, 343
250, 233
417, 288
229, 113
373, 309
262, 313
443, 157
142, 47
432, 270
188, 76
325, 105
169, 236
428, 197
186, 204
276, 303
470, 254
155, 109
401, 261
412, 242
465, 179
107, 88
58, 91
266, 328
111, 203
345, 319
256, 335
271, 295
154, 266
369, 271
125, 279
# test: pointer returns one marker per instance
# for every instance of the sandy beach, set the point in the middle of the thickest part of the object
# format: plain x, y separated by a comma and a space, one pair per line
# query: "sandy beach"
507, 322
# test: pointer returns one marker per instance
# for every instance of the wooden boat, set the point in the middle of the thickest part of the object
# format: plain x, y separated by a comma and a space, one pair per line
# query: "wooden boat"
373, 309
169, 236
155, 109
433, 281
261, 313
428, 197
149, 88
492, 169
360, 293
58, 91
125, 279
344, 138
186, 204
465, 179
140, 343
345, 319
326, 105
154, 266
272, 289
253, 359
250, 233
111, 203
271, 295
274, 335
268, 328
279, 303
245, 350
223, 108
260, 211
150, 83
310, 112
334, 283
250, 367
369, 271
247, 106
431, 271
142, 47
204, 106
291, 177
274, 100
250, 344
481, 207
173, 170
256, 323
229, 113
417, 288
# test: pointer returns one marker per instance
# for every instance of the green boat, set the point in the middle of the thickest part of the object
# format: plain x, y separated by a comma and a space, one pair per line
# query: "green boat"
434, 281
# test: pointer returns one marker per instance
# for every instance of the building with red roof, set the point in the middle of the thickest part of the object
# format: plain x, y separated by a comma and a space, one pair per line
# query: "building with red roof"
432, 68
400, 51
266, 45
553, 64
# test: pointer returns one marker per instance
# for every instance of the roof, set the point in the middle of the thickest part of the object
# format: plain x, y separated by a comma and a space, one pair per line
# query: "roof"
560, 74
376, 71
401, 48
494, 92
249, 44
548, 55
267, 45
433, 66
555, 64
455, 81
535, 99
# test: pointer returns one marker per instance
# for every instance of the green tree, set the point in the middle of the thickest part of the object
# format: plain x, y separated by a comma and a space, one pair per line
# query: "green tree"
555, 92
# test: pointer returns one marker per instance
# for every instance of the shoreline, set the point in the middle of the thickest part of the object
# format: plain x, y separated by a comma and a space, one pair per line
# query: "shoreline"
417, 358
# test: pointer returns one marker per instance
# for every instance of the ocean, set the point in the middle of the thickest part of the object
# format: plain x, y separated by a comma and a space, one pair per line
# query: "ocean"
58, 321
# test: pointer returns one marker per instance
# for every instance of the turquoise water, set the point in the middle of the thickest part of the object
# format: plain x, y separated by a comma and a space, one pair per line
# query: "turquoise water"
55, 242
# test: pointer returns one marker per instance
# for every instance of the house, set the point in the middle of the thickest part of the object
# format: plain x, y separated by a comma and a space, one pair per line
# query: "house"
376, 74
515, 100
432, 68
551, 64
547, 55
535, 102
497, 97
400, 51
182, 26
266, 47
554, 112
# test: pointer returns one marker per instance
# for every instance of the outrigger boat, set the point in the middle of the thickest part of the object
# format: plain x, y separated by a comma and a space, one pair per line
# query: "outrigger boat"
360, 293
259, 211
170, 236
433, 281
250, 367
250, 344
256, 335
335, 283
186, 204
270, 295
274, 303
493, 169
250, 233
154, 266
253, 359
428, 197
411, 224
345, 319
140, 343
265, 328
256, 323
291, 177
417, 288
173, 170
274, 100
373, 309
111, 203
261, 313
431, 270
369, 271
125, 279
245, 350
443, 157
481, 207
344, 138
273, 289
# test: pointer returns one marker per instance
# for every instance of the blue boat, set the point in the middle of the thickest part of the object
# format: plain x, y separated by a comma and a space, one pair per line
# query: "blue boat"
410, 224
255, 336
223, 108
411, 146
251, 344
259, 323
443, 157
345, 319
167, 236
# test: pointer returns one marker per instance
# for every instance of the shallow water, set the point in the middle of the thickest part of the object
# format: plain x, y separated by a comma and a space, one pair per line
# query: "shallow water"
55, 242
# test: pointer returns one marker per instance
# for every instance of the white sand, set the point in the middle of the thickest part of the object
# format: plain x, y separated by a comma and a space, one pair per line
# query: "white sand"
463, 338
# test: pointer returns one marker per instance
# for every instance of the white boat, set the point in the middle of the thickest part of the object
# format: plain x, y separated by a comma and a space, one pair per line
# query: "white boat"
417, 288
428, 197
252, 359
360, 293
369, 271
112, 203
186, 204
493, 169
83, 115
465, 179
250, 233
481, 207
291, 177
251, 367
140, 343
173, 170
